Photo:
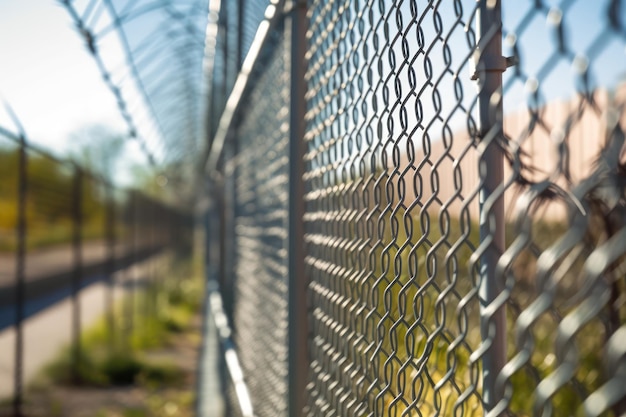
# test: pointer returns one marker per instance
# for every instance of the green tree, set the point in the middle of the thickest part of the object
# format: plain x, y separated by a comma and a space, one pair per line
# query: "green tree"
98, 149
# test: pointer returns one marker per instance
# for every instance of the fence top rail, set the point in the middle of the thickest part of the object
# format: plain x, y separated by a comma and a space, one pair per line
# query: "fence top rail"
217, 313
273, 13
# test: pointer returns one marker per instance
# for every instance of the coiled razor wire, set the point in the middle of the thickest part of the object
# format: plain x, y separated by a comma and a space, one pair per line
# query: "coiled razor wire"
158, 84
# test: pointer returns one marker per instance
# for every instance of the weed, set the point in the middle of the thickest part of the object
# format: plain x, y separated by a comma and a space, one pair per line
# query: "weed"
63, 372
135, 412
118, 357
161, 375
121, 369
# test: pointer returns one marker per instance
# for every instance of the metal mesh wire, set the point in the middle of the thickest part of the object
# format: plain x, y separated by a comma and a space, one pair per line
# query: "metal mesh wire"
253, 14
563, 270
63, 232
433, 292
393, 301
260, 177
227, 60
238, 22
231, 398
394, 173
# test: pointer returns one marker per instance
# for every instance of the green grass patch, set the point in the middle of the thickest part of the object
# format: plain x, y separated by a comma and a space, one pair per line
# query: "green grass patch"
419, 269
135, 412
100, 367
160, 312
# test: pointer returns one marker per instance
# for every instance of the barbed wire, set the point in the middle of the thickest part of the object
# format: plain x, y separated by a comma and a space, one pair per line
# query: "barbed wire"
164, 65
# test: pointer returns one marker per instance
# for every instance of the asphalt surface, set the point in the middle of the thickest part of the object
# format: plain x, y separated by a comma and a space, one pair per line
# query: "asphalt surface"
49, 273
46, 332
48, 311
44, 262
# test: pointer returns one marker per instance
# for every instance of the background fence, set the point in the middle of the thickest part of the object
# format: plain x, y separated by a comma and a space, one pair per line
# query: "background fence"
94, 276
65, 231
405, 222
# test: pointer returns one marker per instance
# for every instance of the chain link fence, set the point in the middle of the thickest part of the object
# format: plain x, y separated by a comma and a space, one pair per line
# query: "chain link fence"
71, 245
461, 228
259, 173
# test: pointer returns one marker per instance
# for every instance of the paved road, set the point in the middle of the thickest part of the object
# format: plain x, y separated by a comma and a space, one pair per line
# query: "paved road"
47, 328
44, 262
46, 332
41, 263
49, 273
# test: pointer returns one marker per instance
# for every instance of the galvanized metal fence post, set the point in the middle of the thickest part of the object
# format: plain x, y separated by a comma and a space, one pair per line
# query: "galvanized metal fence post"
109, 230
223, 280
129, 255
20, 260
77, 222
489, 68
239, 51
133, 259
154, 252
225, 26
222, 239
229, 201
298, 282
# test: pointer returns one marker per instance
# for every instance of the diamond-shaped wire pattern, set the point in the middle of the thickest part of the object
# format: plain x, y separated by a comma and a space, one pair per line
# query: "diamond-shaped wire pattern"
388, 211
431, 291
563, 270
260, 236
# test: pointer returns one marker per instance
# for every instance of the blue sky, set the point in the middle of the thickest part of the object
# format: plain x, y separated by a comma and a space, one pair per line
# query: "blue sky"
47, 76
52, 83
587, 35
387, 99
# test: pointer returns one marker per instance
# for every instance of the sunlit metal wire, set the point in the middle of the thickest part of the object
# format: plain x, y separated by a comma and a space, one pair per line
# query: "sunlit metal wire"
562, 272
159, 81
437, 287
393, 306
259, 270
